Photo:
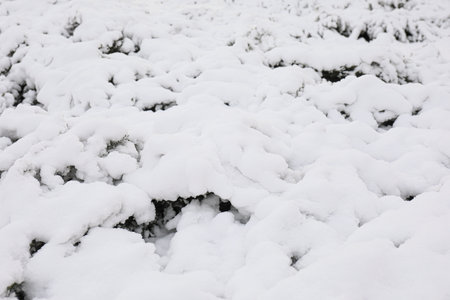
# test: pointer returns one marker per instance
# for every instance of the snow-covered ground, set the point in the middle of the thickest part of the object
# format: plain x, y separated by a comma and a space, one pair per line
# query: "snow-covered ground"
224, 149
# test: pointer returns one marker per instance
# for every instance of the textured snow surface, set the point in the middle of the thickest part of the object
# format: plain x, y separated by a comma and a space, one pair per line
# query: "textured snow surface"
219, 149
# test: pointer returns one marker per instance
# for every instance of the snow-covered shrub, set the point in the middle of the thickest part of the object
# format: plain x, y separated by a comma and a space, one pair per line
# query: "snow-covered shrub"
211, 149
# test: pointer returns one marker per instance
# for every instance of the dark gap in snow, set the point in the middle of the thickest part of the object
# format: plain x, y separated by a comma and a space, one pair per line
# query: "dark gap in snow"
364, 34
224, 205
297, 37
345, 32
124, 44
117, 181
408, 197
130, 224
278, 64
344, 113
387, 124
114, 47
296, 256
404, 79
413, 33
408, 32
336, 75
136, 41
360, 73
391, 4
19, 93
297, 92
113, 144
71, 25
360, 223
111, 80
138, 76
69, 174
78, 242
13, 50
137, 48
399, 35
416, 111
37, 103
6, 69
399, 243
159, 106
166, 210
375, 64
294, 259
340, 27
17, 291
385, 118
37, 175
196, 74
168, 87
399, 5
248, 48
231, 43
35, 246
24, 92
343, 110
139, 146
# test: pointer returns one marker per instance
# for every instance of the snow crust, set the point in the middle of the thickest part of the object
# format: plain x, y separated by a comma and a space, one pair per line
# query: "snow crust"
218, 149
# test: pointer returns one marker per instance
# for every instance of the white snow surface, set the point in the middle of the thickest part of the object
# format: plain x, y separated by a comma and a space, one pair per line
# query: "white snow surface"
224, 149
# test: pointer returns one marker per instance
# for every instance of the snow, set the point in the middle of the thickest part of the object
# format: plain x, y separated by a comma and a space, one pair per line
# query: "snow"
217, 149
